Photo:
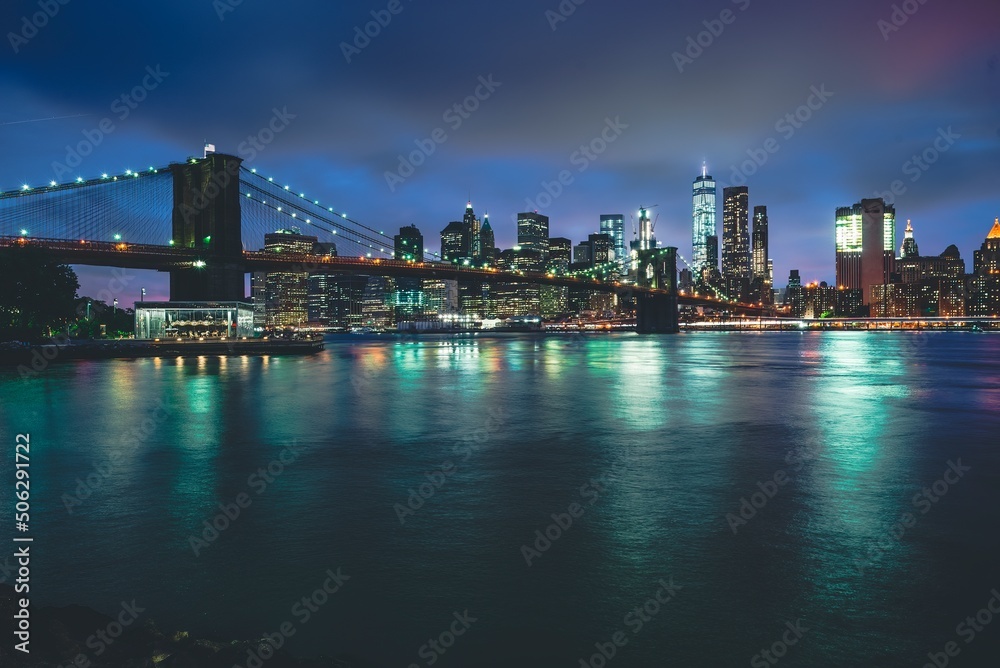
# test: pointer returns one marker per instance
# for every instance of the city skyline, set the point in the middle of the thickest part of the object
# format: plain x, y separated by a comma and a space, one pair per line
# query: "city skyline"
343, 125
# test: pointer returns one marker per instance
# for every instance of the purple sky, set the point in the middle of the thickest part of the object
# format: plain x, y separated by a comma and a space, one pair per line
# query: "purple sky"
893, 92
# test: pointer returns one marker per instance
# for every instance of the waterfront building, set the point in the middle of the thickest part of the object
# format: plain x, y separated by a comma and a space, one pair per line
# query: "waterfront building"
983, 286
865, 247
185, 320
286, 292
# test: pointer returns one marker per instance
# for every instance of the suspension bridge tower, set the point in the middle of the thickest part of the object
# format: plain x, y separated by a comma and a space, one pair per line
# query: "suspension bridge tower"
206, 217
656, 313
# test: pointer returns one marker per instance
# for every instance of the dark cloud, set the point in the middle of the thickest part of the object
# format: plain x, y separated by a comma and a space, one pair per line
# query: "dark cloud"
893, 90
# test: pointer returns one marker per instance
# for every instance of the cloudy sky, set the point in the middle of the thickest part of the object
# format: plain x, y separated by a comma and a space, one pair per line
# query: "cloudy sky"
651, 89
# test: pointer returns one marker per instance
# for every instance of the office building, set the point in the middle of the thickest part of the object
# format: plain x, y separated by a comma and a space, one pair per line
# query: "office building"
456, 243
761, 283
533, 232
736, 272
408, 245
601, 248
613, 224
703, 221
487, 243
865, 247
470, 222
286, 292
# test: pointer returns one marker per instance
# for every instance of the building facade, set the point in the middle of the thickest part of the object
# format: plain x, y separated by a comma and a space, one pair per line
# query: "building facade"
736, 241
703, 221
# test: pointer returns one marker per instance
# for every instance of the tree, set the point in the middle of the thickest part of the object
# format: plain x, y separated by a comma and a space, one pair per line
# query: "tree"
36, 294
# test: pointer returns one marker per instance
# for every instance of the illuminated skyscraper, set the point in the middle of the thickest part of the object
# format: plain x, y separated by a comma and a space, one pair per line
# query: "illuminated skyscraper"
865, 246
487, 242
703, 226
736, 241
456, 243
613, 225
760, 241
646, 240
470, 220
760, 266
286, 292
909, 247
533, 232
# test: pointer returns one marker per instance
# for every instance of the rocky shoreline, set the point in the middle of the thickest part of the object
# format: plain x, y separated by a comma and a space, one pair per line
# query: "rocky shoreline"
59, 639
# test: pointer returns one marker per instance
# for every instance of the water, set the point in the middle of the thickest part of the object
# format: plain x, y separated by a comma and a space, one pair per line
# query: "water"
656, 438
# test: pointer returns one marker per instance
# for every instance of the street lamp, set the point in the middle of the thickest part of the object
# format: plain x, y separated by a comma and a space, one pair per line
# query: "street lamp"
142, 294
116, 305
88, 309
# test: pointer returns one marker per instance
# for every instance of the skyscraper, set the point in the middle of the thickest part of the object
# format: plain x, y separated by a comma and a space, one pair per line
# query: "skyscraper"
647, 226
703, 224
865, 246
320, 288
601, 248
409, 244
712, 250
408, 298
736, 241
559, 251
613, 224
285, 292
456, 242
533, 232
760, 266
909, 247
470, 220
487, 242
984, 284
